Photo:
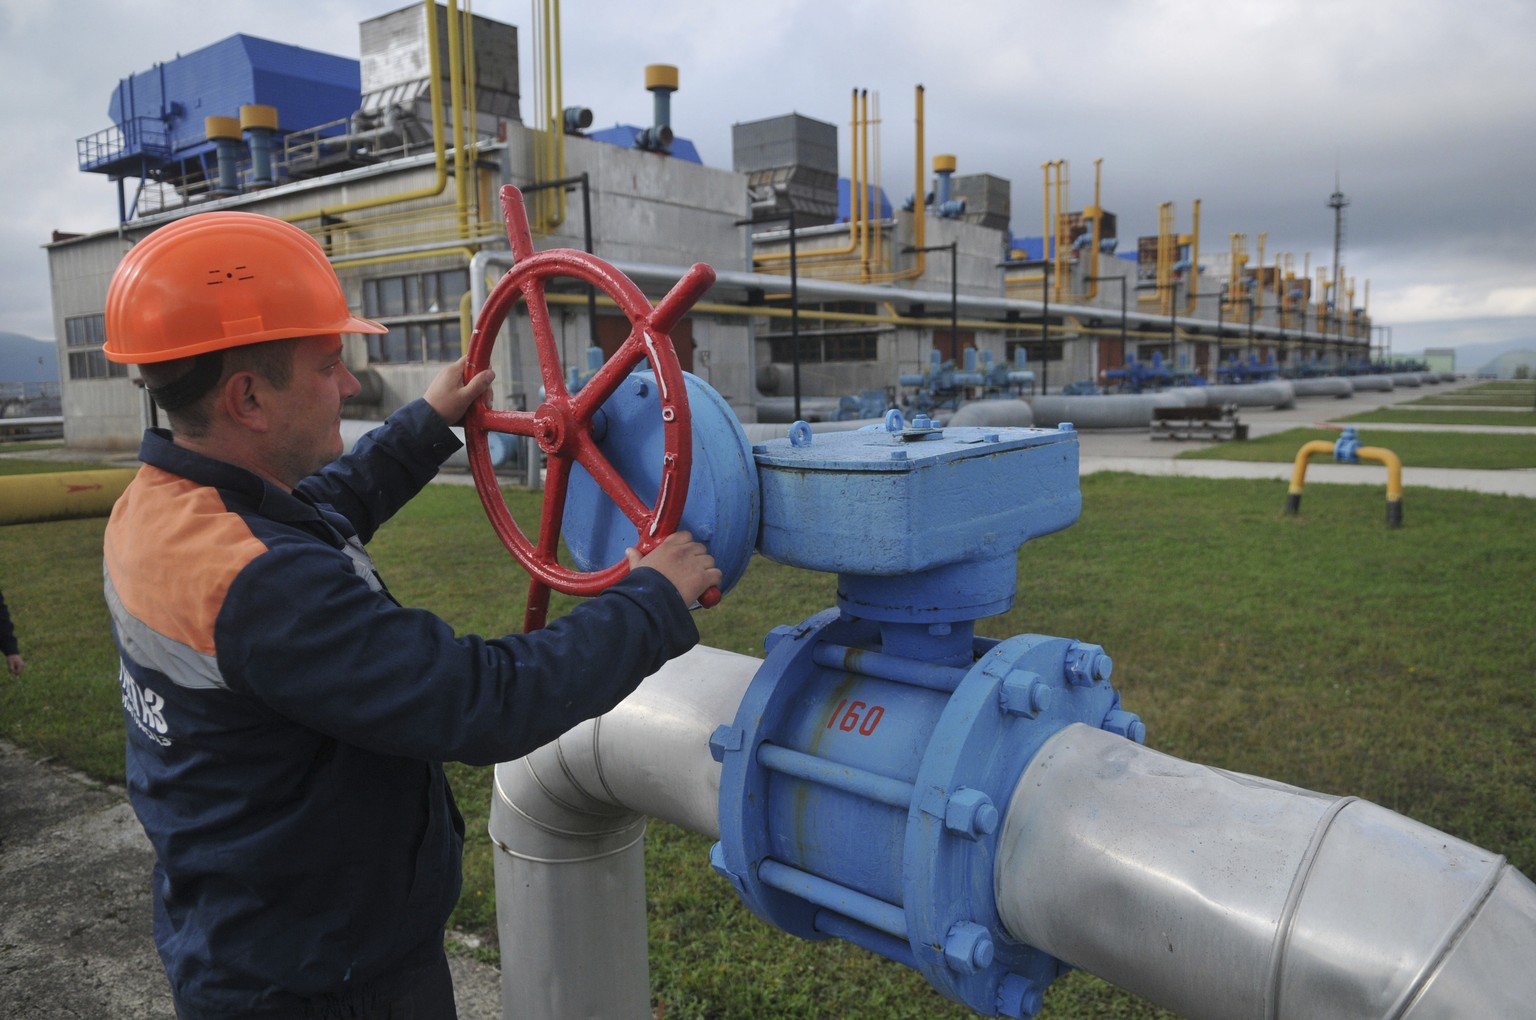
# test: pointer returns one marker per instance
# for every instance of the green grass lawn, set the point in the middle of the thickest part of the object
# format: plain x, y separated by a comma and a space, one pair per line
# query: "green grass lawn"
1408, 414
29, 466
1324, 650
1463, 406
1415, 449
1508, 392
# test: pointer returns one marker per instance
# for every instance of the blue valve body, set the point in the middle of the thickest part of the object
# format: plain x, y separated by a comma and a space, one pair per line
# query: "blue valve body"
862, 793
871, 761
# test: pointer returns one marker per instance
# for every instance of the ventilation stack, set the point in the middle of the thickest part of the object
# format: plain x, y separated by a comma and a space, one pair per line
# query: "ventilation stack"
791, 166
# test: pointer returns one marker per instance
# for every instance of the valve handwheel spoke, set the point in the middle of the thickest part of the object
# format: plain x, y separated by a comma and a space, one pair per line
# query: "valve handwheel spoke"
562, 424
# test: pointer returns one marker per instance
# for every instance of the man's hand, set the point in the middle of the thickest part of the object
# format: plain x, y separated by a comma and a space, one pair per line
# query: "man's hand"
684, 562
15, 663
450, 396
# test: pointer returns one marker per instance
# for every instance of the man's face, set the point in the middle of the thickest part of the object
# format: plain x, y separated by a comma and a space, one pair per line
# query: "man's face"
307, 432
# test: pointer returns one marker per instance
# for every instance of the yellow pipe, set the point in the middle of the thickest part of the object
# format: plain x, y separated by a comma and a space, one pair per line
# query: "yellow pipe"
439, 146
559, 111
1394, 467
1258, 261
1098, 222
862, 318
549, 142
874, 149
853, 220
920, 216
1045, 214
412, 256
1164, 216
1194, 261
466, 319
1299, 472
1393, 464
1060, 225
55, 496
456, 97
864, 202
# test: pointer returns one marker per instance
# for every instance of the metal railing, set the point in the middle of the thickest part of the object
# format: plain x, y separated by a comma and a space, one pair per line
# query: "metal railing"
137, 137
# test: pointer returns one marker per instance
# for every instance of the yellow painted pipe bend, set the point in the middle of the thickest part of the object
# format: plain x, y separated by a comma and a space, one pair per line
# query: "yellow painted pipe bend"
1299, 473
1394, 469
55, 496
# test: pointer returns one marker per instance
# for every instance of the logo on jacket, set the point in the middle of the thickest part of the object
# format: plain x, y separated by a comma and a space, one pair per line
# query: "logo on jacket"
145, 708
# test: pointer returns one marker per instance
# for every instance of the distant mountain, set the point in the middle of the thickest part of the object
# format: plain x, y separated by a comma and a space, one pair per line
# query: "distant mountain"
24, 359
1506, 365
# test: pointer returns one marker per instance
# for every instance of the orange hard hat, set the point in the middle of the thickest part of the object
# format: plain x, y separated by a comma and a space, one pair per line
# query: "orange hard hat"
217, 280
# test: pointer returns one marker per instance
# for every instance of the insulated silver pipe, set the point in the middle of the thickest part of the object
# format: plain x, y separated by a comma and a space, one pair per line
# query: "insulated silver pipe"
1226, 897
1218, 895
568, 823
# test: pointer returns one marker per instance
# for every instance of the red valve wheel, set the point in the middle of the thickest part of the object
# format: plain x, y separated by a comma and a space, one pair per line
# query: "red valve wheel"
562, 424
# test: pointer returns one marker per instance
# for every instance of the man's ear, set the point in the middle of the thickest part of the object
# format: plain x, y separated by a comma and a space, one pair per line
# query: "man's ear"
243, 397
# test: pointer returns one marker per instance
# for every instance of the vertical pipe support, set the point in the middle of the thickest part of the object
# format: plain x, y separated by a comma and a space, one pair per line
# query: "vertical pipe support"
224, 133
259, 122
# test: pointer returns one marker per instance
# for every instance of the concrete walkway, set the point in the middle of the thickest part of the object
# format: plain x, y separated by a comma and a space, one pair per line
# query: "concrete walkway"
1135, 451
75, 911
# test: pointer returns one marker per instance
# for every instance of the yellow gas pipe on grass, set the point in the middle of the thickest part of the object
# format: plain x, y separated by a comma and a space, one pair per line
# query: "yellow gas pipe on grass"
60, 495
1393, 464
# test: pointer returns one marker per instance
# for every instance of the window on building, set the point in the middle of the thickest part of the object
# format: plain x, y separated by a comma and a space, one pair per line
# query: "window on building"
1035, 350
83, 337
422, 313
823, 346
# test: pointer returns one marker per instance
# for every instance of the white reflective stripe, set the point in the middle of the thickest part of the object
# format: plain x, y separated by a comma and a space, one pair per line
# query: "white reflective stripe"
363, 563
183, 664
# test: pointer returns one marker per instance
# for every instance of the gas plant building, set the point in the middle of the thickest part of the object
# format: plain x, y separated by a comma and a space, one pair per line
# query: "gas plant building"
828, 292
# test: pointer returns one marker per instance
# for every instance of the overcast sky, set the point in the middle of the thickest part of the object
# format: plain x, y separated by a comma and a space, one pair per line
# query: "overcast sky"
1425, 109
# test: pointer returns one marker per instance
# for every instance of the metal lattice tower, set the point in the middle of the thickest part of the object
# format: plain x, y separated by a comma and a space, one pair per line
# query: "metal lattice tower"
1337, 201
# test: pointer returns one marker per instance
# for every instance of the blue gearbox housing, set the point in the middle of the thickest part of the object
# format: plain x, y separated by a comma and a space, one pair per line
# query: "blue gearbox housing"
865, 774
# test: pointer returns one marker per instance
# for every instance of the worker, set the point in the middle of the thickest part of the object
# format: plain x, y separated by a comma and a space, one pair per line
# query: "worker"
286, 716
14, 663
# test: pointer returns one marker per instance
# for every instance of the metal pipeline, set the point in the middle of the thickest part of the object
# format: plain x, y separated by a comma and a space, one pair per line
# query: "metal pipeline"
59, 495
1222, 896
1218, 895
1324, 386
567, 821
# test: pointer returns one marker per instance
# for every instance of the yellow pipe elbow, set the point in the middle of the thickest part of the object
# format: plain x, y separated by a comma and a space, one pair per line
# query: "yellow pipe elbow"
1298, 476
1394, 469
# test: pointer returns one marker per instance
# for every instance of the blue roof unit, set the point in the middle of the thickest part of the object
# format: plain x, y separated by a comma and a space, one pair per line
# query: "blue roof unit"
158, 114
623, 135
879, 204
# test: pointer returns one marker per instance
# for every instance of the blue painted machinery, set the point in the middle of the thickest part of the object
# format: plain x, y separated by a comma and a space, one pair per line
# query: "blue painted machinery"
944, 386
1249, 369
1138, 376
871, 759
870, 762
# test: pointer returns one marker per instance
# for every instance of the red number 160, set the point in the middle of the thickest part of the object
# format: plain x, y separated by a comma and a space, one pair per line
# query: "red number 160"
851, 720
